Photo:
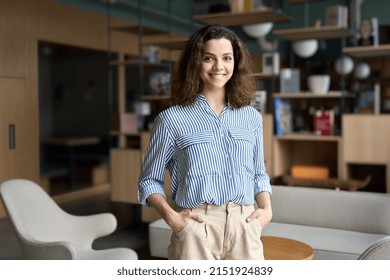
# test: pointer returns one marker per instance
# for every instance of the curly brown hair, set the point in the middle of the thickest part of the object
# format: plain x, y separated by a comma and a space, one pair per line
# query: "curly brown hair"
186, 83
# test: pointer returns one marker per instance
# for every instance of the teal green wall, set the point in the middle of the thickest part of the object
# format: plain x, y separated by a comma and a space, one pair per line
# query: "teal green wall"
377, 8
176, 15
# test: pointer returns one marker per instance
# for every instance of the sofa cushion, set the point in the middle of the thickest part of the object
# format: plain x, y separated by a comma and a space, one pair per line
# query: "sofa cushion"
352, 211
328, 243
159, 238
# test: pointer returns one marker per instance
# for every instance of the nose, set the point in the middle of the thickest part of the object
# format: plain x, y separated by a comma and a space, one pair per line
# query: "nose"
217, 64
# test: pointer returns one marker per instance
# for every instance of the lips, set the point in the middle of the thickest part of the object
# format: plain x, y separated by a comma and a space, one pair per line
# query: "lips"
217, 76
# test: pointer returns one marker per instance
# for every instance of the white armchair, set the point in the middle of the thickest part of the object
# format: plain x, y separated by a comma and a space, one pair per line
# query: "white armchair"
45, 231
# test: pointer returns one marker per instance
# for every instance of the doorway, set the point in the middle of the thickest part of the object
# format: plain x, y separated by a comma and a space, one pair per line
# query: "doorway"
74, 117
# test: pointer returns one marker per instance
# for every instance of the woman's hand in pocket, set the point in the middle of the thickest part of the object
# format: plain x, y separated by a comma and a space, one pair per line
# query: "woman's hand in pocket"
182, 218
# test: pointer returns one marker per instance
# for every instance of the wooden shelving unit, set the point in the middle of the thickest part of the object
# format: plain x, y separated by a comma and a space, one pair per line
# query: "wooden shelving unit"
152, 36
155, 97
368, 51
263, 75
171, 44
323, 32
305, 95
120, 133
308, 137
245, 18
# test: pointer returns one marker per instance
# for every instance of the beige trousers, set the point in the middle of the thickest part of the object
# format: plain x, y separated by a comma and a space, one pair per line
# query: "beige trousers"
225, 235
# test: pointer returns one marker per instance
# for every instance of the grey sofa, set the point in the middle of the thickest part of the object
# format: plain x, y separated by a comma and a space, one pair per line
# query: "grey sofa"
339, 225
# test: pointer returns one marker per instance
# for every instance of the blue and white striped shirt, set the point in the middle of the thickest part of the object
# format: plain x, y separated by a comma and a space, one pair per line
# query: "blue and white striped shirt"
211, 159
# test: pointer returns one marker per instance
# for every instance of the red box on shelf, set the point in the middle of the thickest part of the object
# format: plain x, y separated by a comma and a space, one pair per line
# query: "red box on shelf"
324, 122
125, 123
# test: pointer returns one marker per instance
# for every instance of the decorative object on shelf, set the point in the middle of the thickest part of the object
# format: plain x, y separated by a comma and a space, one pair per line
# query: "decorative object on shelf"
324, 122
260, 101
310, 171
337, 15
318, 84
305, 48
125, 122
240, 6
152, 53
369, 32
283, 116
271, 62
258, 29
362, 70
159, 83
344, 65
142, 109
290, 80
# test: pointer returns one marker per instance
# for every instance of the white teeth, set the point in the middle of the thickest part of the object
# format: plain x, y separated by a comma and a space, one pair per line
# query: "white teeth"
217, 76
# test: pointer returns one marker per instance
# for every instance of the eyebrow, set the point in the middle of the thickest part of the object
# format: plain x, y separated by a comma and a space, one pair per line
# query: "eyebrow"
208, 53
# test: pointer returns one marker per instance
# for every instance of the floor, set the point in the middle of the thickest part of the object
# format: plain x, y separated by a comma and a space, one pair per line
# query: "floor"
130, 233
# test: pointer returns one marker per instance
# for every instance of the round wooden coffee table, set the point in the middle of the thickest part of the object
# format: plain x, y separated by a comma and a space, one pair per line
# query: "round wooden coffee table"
279, 248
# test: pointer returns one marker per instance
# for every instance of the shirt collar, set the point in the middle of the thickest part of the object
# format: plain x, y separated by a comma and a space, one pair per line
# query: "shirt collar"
202, 99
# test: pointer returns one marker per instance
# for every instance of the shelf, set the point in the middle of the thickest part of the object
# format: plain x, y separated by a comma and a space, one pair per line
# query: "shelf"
324, 32
245, 18
306, 95
368, 51
171, 44
155, 97
264, 75
135, 29
302, 1
308, 137
119, 133
137, 62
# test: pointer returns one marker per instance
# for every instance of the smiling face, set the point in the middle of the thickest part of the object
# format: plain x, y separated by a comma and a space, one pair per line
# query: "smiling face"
217, 64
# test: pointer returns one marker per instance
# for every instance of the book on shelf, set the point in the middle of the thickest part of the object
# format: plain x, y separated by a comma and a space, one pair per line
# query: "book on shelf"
369, 100
337, 15
324, 122
260, 101
290, 80
283, 116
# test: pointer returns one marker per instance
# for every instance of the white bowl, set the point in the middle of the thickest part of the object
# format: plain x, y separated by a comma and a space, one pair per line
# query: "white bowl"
318, 84
344, 65
305, 48
258, 30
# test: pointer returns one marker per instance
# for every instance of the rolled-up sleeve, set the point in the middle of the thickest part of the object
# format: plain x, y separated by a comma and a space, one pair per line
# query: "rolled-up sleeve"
261, 180
157, 156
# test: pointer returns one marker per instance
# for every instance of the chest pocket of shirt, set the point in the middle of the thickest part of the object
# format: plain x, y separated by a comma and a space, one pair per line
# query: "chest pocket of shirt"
243, 142
242, 135
188, 140
194, 151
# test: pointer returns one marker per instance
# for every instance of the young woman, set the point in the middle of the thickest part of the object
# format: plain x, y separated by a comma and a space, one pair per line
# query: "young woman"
211, 142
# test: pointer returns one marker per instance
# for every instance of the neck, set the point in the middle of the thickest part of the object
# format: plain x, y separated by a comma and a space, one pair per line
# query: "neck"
217, 100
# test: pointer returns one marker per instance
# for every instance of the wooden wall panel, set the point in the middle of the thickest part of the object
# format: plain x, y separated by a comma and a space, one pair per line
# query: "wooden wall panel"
124, 173
45, 20
366, 140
